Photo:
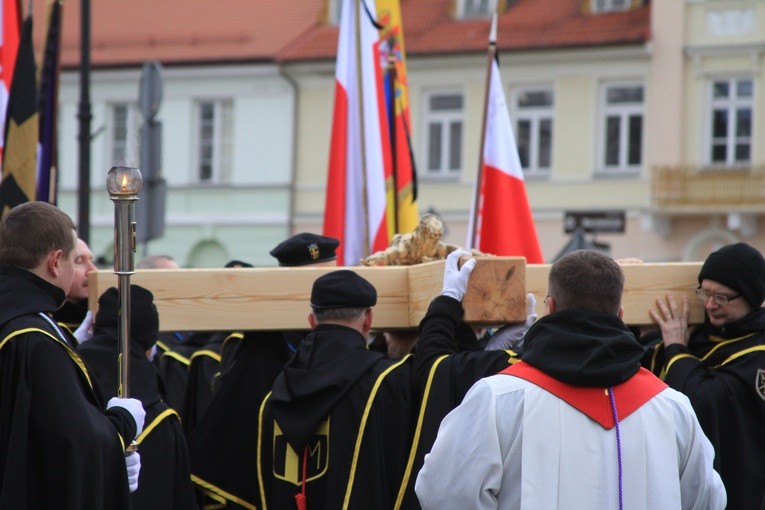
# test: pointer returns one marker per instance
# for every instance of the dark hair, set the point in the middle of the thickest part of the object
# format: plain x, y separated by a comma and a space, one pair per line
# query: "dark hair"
587, 280
30, 231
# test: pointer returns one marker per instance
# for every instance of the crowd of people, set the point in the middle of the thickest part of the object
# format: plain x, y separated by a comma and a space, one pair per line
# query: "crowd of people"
570, 410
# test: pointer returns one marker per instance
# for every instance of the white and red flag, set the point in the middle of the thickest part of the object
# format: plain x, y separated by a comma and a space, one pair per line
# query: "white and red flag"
10, 28
359, 159
502, 224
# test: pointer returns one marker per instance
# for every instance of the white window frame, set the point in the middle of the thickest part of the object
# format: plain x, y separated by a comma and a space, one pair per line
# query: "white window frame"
446, 118
221, 142
476, 9
623, 111
130, 145
600, 6
534, 115
731, 105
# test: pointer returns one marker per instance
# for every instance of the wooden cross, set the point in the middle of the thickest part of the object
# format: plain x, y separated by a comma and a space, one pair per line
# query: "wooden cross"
278, 298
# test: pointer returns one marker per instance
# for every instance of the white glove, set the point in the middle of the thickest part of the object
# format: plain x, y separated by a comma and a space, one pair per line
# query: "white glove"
511, 336
133, 464
133, 406
456, 279
84, 332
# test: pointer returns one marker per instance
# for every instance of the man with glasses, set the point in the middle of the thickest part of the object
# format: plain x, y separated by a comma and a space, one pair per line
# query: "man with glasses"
720, 365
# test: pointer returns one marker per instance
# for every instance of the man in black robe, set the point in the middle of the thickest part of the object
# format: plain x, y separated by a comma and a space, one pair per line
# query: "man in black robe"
720, 365
165, 479
204, 369
448, 360
336, 427
59, 447
74, 315
222, 443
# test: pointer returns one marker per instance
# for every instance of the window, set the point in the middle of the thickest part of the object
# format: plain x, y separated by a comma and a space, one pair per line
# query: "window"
622, 140
533, 113
469, 9
610, 5
731, 121
213, 140
444, 133
124, 130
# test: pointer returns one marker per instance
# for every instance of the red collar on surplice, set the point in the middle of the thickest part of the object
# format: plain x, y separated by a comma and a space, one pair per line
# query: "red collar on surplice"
595, 402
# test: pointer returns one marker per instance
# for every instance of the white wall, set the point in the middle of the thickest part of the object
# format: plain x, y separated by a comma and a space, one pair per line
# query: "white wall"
247, 216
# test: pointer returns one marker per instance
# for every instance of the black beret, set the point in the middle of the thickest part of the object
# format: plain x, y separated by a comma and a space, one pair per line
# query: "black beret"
342, 289
740, 267
144, 318
303, 249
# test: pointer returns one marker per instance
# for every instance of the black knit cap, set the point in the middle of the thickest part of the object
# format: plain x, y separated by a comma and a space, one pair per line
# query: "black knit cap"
342, 289
740, 267
305, 248
144, 318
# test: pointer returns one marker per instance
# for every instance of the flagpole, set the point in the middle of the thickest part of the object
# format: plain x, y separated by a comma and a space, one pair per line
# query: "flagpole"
362, 145
84, 116
392, 128
491, 55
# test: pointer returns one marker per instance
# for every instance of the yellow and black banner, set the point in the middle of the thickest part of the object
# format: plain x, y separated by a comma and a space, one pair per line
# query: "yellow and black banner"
21, 128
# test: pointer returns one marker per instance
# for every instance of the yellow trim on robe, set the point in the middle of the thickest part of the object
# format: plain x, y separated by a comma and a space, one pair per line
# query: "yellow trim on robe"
176, 356
417, 430
205, 352
147, 430
362, 427
216, 490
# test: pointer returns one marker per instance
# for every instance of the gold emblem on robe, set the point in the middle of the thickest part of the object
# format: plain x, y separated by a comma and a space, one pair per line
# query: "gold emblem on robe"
288, 464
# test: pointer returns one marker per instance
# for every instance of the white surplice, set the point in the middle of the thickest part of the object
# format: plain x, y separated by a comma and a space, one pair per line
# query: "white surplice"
513, 445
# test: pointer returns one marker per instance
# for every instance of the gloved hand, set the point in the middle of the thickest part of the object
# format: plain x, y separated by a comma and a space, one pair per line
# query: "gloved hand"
133, 464
152, 353
456, 278
133, 406
511, 336
84, 332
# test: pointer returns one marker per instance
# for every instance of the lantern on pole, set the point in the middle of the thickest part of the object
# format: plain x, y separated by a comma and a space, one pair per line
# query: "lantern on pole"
123, 184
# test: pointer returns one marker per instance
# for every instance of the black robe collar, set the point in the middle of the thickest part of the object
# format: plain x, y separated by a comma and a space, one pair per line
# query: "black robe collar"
25, 293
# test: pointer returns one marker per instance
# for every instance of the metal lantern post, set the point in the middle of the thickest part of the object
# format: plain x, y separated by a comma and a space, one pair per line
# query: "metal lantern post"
123, 184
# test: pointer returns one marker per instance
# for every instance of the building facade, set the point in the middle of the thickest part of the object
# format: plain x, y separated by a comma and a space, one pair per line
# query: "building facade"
650, 109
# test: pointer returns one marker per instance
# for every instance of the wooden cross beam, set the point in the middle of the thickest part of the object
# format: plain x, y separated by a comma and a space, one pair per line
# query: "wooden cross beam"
278, 298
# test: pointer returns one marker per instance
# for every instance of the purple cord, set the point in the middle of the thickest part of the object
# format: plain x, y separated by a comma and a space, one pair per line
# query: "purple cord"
618, 445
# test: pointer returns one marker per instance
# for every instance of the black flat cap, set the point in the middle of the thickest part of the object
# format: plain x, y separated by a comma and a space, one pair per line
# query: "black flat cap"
303, 249
342, 289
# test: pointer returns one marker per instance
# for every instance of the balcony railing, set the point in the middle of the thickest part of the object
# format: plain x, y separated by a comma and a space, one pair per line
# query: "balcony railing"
703, 189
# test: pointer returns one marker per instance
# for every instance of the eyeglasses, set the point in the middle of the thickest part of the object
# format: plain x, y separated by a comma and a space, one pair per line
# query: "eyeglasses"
704, 295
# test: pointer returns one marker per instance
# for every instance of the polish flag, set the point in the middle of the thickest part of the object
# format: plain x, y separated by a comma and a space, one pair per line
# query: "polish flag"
9, 45
504, 224
358, 160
